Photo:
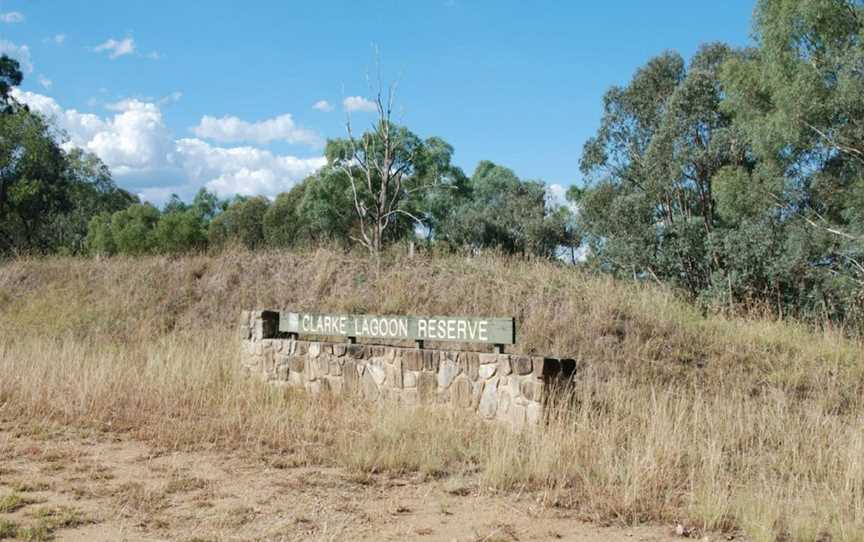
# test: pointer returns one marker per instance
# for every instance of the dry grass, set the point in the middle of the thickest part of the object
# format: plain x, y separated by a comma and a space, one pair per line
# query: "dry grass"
720, 423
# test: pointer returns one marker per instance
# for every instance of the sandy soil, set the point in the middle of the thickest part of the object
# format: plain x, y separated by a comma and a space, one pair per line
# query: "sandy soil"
70, 486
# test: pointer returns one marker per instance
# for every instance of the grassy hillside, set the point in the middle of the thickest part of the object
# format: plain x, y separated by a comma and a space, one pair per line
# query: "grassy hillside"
722, 423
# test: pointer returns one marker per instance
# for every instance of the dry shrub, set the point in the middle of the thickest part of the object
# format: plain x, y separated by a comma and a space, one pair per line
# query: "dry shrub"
719, 422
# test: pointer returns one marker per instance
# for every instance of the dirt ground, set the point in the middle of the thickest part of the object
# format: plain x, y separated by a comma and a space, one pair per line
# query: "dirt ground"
65, 485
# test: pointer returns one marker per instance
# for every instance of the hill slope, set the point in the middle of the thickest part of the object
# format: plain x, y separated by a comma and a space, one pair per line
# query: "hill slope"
725, 423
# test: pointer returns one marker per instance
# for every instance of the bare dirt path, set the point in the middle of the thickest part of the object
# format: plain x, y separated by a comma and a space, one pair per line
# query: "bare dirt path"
69, 486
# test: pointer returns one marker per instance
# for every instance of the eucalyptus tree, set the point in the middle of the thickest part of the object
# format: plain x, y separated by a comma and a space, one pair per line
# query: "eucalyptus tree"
505, 212
799, 99
391, 173
649, 209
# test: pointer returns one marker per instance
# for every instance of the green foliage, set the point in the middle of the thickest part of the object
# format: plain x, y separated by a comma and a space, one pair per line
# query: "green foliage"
10, 77
242, 222
100, 239
507, 213
738, 177
133, 229
180, 231
47, 195
283, 223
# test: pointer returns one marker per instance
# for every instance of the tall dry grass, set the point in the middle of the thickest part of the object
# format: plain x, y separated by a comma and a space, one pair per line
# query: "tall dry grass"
721, 423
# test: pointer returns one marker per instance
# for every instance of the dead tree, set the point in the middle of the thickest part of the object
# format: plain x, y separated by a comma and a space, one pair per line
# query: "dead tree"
378, 165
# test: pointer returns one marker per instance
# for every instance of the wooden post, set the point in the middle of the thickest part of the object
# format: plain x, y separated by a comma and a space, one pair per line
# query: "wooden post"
419, 344
352, 340
499, 348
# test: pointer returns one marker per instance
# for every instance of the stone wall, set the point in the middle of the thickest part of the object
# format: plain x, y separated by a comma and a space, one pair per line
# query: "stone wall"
511, 388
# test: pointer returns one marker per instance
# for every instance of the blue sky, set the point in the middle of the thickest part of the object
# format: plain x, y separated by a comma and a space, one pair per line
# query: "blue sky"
178, 95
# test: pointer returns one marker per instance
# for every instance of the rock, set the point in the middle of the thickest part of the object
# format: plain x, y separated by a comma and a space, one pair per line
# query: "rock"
357, 351
447, 371
412, 360
532, 390
486, 359
295, 379
368, 386
489, 399
314, 350
522, 365
487, 371
512, 384
394, 373
296, 364
309, 370
335, 367
431, 359
350, 376
339, 350
409, 379
504, 403
472, 364
378, 373
504, 365
320, 366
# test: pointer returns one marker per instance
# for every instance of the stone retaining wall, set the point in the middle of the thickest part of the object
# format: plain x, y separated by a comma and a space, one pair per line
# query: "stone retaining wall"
512, 388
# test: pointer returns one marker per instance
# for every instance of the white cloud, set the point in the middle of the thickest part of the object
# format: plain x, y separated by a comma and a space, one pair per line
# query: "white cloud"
323, 105
116, 48
242, 170
12, 17
143, 155
233, 129
152, 55
172, 98
45, 82
358, 103
58, 39
21, 53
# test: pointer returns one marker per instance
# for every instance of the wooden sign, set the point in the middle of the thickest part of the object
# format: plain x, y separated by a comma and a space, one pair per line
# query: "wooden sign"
411, 328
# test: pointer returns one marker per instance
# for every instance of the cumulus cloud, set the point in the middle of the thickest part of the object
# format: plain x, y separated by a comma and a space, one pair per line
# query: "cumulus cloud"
232, 129
56, 39
135, 143
12, 17
358, 103
243, 170
21, 53
116, 48
45, 82
323, 105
